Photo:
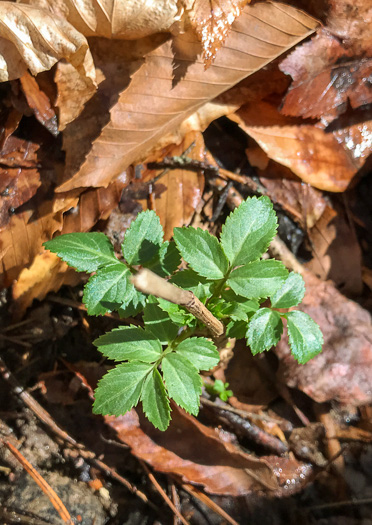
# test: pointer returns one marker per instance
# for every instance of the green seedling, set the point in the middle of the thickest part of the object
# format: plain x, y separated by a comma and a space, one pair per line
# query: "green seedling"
220, 389
186, 313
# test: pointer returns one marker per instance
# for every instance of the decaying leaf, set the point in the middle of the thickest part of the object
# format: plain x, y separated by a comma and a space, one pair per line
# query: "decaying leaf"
326, 78
39, 103
212, 21
182, 189
172, 84
30, 38
324, 160
217, 465
343, 371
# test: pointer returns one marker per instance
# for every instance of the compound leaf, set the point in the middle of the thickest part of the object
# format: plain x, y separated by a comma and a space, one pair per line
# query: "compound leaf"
258, 279
84, 251
120, 389
143, 238
133, 306
155, 401
304, 335
202, 252
200, 352
108, 287
158, 322
290, 293
264, 330
182, 381
129, 343
248, 230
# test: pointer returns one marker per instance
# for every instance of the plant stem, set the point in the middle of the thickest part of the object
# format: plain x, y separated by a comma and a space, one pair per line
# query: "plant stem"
148, 282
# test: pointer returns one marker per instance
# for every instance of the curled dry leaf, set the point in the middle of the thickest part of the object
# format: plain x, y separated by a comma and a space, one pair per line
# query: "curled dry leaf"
321, 159
123, 19
39, 103
31, 38
199, 457
343, 371
172, 84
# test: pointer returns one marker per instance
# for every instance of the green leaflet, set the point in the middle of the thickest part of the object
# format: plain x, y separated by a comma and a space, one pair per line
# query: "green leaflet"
166, 261
290, 293
120, 389
84, 251
200, 352
258, 279
179, 315
264, 330
109, 286
143, 239
202, 252
248, 231
190, 280
182, 381
158, 322
133, 306
129, 343
155, 401
305, 336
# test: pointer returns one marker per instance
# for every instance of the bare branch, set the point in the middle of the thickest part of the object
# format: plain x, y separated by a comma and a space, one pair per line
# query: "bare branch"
148, 282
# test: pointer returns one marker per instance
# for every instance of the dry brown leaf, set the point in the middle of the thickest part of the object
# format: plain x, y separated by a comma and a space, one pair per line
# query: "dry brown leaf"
326, 76
119, 19
327, 161
20, 181
30, 38
181, 190
22, 240
46, 274
199, 457
212, 21
343, 371
172, 84
39, 103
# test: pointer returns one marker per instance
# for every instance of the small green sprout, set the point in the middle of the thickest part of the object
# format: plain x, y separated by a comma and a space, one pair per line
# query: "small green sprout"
228, 279
219, 388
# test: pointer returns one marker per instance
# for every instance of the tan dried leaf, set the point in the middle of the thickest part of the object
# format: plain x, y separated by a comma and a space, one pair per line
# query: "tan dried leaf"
172, 84
124, 19
30, 38
212, 21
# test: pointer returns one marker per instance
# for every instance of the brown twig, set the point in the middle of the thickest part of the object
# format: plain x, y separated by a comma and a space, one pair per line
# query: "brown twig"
163, 494
198, 494
46, 418
148, 282
45, 487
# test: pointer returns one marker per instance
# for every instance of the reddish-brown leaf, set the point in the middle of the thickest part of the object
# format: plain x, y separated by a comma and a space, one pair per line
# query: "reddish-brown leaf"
212, 21
327, 161
326, 76
193, 452
39, 103
343, 371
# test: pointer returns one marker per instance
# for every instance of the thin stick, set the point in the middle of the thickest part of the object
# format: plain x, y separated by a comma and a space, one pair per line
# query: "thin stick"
148, 282
163, 494
45, 487
198, 494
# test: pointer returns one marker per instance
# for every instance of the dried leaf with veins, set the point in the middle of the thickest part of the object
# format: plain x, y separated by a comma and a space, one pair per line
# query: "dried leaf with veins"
155, 102
123, 19
212, 21
30, 38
